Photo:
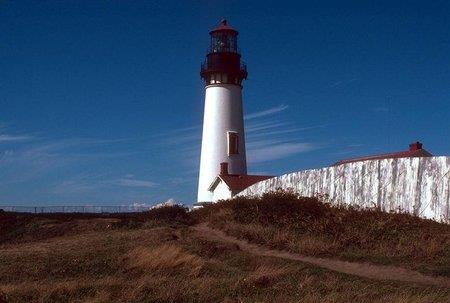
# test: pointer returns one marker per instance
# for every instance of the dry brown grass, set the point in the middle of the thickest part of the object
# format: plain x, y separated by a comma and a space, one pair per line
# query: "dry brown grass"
286, 221
166, 259
163, 261
267, 274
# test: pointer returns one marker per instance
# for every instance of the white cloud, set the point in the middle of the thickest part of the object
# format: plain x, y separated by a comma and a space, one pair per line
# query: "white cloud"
194, 131
262, 143
381, 109
268, 137
343, 82
34, 160
267, 112
92, 183
285, 130
14, 138
181, 139
75, 187
170, 201
21, 164
135, 183
271, 139
188, 128
139, 205
278, 151
255, 127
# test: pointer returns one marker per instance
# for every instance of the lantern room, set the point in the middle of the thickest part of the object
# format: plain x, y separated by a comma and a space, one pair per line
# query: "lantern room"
223, 39
223, 61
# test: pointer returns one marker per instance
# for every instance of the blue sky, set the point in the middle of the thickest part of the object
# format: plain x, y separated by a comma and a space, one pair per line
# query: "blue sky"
101, 101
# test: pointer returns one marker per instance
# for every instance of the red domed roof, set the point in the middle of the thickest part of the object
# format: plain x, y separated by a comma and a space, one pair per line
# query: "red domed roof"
223, 27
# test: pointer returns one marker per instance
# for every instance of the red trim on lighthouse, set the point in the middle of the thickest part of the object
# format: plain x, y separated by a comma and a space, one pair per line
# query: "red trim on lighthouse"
224, 27
223, 61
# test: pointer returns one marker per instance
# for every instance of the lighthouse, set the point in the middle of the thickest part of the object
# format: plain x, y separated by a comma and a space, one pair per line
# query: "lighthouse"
223, 138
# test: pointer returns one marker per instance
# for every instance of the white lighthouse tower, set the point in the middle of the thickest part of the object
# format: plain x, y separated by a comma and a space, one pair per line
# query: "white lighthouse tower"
223, 139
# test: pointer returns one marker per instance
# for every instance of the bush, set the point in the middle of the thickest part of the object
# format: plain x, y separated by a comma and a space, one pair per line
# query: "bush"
175, 213
277, 208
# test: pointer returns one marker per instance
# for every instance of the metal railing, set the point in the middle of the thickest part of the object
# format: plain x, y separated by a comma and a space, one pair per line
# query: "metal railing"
74, 209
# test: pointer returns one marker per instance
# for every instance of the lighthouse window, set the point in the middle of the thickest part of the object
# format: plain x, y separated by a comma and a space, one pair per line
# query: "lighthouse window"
223, 42
233, 143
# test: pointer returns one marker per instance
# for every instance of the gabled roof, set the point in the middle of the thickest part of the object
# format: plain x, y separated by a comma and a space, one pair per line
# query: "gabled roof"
415, 150
237, 182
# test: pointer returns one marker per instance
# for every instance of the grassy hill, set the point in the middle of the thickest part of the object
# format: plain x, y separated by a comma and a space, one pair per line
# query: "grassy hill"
159, 256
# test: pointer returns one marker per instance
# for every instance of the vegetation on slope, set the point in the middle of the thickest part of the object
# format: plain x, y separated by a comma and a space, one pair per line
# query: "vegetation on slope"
286, 221
156, 257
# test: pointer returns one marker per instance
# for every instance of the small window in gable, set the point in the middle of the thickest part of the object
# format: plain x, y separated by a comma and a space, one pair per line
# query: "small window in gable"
233, 143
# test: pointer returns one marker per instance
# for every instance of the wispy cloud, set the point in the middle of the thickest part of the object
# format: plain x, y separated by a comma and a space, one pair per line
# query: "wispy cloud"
288, 130
35, 159
13, 138
186, 138
6, 136
263, 126
187, 129
268, 137
266, 112
75, 187
135, 183
57, 164
342, 83
279, 151
381, 109
20, 164
90, 183
350, 149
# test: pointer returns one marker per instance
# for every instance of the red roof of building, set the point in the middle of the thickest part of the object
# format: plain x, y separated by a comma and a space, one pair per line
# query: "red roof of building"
238, 182
223, 27
415, 150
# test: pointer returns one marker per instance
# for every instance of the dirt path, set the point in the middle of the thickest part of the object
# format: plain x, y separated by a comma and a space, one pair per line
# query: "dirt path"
377, 272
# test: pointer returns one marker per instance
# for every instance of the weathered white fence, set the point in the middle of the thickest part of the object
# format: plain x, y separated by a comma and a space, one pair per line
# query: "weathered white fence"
420, 186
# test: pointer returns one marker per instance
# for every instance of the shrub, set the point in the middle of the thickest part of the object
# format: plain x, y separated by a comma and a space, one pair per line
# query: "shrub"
175, 213
278, 208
